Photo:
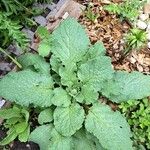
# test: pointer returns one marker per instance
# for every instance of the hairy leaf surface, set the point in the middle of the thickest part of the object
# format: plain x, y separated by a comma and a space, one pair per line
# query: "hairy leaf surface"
61, 98
95, 72
125, 86
41, 136
45, 116
68, 120
27, 87
59, 142
80, 141
70, 42
109, 127
29, 59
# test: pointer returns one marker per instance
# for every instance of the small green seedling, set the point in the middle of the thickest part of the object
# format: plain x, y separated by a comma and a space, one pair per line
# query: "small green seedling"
128, 9
91, 15
16, 121
138, 117
135, 39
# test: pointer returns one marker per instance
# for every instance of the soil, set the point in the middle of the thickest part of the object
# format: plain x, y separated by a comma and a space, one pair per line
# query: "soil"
109, 29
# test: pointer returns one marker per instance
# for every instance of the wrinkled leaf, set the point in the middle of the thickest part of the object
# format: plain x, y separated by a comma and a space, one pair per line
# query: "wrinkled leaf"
45, 116
27, 87
68, 120
126, 86
39, 64
95, 72
109, 127
61, 98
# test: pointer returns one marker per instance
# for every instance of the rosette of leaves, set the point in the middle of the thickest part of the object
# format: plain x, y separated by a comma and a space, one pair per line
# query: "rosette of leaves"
68, 88
16, 121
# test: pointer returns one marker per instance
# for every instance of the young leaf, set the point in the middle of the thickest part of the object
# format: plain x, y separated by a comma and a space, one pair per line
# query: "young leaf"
42, 32
127, 86
95, 72
45, 116
109, 127
68, 120
9, 113
87, 95
20, 127
55, 63
44, 48
67, 43
41, 136
39, 64
96, 50
61, 98
68, 75
23, 137
10, 137
27, 87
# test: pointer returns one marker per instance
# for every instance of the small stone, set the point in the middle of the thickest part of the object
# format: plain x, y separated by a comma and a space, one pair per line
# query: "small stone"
40, 20
65, 16
132, 60
147, 8
148, 45
140, 68
148, 27
143, 17
141, 25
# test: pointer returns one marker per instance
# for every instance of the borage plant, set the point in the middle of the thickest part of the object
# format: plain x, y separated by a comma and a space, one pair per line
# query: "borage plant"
68, 89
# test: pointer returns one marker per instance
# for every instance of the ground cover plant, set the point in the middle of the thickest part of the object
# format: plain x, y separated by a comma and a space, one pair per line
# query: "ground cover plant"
16, 121
136, 39
68, 88
137, 114
13, 15
128, 9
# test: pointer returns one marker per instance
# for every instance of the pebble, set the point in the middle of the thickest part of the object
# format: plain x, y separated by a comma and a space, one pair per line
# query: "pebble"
148, 27
143, 17
148, 45
141, 25
147, 8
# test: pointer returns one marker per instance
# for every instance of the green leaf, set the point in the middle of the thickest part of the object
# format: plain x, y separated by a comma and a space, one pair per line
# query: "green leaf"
45, 116
68, 120
44, 48
13, 120
55, 63
96, 50
109, 127
87, 95
20, 127
59, 142
61, 98
67, 45
42, 32
80, 141
95, 72
27, 60
68, 75
23, 137
41, 136
27, 87
9, 138
26, 114
9, 113
126, 86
